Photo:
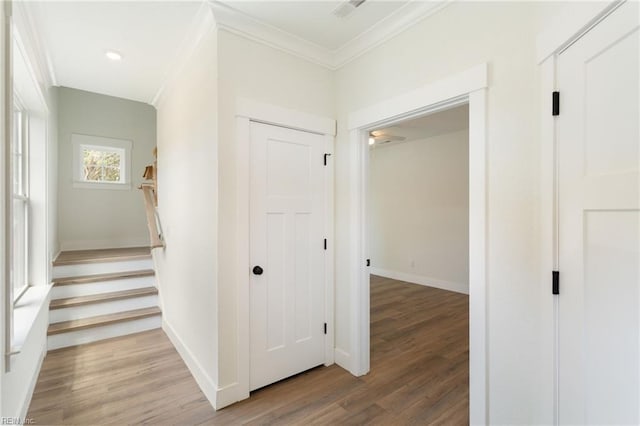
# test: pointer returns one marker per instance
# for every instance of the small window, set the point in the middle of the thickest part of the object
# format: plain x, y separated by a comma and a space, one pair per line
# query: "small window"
101, 162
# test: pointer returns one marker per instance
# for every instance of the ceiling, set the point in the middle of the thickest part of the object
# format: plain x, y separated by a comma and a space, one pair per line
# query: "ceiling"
439, 123
76, 36
313, 20
153, 35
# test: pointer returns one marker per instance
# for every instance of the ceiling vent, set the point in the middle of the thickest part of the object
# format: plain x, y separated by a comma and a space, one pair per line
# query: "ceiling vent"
345, 9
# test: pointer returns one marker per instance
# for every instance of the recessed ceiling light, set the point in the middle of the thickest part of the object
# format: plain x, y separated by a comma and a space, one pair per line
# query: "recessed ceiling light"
113, 55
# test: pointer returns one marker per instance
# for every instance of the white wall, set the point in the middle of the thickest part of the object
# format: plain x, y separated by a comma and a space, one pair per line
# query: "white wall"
188, 208
102, 218
419, 211
460, 36
251, 70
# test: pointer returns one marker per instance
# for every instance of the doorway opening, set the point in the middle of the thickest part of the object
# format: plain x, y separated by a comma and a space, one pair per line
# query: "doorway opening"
466, 87
418, 233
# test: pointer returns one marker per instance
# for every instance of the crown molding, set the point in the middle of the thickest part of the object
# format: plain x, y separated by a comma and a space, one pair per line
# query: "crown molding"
34, 43
239, 23
397, 22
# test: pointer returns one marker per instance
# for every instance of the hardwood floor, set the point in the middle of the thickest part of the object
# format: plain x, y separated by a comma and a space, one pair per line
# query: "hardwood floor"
419, 375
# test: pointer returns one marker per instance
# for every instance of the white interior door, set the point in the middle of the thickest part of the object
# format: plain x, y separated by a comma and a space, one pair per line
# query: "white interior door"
599, 234
287, 243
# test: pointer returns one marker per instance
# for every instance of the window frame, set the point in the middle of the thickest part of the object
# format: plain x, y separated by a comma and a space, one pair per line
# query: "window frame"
21, 124
99, 143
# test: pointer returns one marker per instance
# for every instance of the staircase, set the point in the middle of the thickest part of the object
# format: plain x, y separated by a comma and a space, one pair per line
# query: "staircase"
99, 294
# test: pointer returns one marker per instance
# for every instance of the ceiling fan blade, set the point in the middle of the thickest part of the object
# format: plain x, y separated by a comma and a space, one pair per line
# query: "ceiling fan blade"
389, 138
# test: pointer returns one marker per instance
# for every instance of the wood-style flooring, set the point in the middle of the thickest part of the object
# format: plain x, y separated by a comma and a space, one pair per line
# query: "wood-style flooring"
419, 375
102, 255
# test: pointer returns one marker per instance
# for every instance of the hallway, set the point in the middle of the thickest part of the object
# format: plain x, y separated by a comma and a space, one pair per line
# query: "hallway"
419, 374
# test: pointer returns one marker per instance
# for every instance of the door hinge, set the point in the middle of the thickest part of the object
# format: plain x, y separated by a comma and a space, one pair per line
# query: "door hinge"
325, 158
325, 243
325, 328
555, 103
368, 262
555, 282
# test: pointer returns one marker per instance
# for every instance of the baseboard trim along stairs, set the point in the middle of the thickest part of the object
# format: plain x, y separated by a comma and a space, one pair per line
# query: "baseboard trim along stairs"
100, 294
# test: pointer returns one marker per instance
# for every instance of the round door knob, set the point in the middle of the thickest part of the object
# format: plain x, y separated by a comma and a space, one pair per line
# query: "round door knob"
257, 270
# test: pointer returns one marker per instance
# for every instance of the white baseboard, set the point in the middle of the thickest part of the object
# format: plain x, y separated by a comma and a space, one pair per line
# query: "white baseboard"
207, 385
227, 395
422, 280
103, 244
342, 358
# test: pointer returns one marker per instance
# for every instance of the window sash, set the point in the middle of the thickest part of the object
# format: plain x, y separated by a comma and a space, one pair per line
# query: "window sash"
20, 246
105, 150
19, 268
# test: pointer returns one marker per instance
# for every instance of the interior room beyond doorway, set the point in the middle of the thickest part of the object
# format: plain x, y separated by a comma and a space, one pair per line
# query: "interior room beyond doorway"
419, 246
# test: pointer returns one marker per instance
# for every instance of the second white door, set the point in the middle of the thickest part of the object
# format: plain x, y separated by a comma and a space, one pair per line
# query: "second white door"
287, 253
599, 232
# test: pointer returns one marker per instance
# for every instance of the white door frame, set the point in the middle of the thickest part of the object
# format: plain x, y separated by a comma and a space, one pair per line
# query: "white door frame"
246, 112
470, 87
552, 42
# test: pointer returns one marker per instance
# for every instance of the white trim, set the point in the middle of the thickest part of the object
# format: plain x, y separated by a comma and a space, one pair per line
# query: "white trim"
439, 92
198, 29
241, 24
570, 25
548, 241
101, 143
359, 317
102, 185
33, 86
329, 228
5, 235
36, 42
342, 358
405, 17
382, 31
246, 112
468, 86
243, 140
226, 395
478, 260
421, 280
284, 117
207, 385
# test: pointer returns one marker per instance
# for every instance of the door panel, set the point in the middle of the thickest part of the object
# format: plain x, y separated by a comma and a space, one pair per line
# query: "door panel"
599, 224
286, 231
611, 315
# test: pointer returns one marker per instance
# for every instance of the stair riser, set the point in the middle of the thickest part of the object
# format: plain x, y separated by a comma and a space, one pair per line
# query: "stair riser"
101, 268
102, 308
94, 334
100, 287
